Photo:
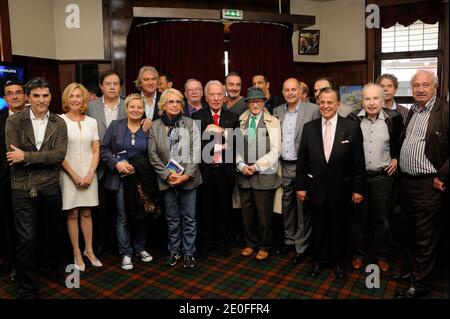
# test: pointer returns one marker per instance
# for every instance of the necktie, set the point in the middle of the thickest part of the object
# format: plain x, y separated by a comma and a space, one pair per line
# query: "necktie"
252, 129
327, 140
217, 156
216, 119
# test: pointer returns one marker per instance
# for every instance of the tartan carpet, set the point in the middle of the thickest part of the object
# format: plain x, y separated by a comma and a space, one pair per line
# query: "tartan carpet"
233, 277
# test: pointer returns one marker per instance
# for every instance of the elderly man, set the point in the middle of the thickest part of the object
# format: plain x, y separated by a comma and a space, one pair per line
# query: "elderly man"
330, 175
234, 102
381, 130
424, 178
218, 171
261, 81
293, 116
14, 95
259, 178
37, 144
193, 91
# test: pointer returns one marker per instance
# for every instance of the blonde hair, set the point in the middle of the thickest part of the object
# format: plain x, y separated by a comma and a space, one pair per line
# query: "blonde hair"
163, 99
134, 96
69, 90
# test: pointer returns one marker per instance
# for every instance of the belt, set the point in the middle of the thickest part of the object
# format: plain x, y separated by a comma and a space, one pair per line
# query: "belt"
376, 173
216, 165
419, 176
289, 161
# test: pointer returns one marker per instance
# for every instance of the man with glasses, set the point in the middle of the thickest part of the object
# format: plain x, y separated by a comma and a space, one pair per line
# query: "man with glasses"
193, 91
218, 171
14, 95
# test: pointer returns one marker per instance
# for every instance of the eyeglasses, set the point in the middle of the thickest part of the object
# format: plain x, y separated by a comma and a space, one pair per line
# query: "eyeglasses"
11, 94
255, 102
194, 90
178, 102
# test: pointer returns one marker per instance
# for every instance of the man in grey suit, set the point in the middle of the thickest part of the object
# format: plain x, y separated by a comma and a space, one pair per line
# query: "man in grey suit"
104, 110
293, 115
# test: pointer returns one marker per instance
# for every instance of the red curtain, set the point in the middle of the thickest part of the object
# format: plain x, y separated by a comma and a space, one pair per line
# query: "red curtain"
185, 49
261, 48
428, 12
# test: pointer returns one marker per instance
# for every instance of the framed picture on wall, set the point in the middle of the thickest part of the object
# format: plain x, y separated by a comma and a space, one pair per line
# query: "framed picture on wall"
308, 42
351, 95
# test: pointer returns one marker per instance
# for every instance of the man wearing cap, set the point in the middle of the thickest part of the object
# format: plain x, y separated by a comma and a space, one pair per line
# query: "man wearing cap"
258, 178
293, 115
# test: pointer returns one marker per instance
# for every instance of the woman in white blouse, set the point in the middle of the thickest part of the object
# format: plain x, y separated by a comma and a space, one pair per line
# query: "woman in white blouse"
78, 179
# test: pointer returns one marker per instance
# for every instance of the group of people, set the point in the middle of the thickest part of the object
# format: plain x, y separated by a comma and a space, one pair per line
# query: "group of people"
281, 173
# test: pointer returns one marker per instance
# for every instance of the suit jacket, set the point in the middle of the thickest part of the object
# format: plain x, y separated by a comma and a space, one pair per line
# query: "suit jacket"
273, 102
306, 112
186, 108
159, 153
4, 166
227, 119
334, 182
97, 111
437, 138
41, 168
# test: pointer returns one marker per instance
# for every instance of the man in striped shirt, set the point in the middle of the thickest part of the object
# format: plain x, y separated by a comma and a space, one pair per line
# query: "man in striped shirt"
424, 167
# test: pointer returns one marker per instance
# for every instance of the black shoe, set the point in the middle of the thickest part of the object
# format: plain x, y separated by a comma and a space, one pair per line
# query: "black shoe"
287, 249
412, 293
172, 259
298, 258
315, 271
55, 277
224, 250
13, 275
401, 276
189, 262
339, 271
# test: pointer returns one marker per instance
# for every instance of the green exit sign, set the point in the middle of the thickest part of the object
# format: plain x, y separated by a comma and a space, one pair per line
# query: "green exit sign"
232, 14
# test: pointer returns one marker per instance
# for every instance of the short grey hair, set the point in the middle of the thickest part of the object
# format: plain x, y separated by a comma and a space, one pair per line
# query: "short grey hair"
435, 78
211, 83
373, 85
191, 80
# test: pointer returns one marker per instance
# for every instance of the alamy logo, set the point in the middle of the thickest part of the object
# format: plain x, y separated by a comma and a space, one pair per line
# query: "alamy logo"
373, 279
73, 19
73, 279
373, 18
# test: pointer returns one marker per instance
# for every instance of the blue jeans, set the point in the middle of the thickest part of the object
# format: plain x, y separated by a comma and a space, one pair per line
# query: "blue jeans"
181, 223
123, 228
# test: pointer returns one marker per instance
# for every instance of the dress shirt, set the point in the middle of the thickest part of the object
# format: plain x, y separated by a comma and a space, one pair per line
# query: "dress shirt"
111, 113
149, 107
288, 134
333, 122
39, 127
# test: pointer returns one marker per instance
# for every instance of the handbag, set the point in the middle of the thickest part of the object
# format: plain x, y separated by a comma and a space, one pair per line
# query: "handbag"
147, 205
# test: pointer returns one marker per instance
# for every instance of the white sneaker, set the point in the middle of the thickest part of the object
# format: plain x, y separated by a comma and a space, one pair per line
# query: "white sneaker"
145, 256
126, 263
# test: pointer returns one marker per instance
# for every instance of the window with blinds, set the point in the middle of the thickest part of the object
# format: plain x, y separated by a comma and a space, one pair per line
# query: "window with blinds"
417, 37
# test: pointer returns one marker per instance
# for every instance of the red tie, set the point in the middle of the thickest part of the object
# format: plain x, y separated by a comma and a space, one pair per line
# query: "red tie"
216, 119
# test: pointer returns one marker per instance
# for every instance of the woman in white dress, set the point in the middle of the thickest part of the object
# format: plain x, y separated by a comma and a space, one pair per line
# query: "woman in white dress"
78, 179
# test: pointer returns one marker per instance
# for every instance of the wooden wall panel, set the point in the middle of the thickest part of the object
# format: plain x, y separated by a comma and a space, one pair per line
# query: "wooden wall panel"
342, 73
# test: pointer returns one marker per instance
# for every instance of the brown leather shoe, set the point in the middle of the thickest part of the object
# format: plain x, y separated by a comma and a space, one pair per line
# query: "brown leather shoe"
247, 251
384, 265
357, 263
262, 255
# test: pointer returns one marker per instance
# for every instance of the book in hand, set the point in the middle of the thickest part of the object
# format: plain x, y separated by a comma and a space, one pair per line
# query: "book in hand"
174, 167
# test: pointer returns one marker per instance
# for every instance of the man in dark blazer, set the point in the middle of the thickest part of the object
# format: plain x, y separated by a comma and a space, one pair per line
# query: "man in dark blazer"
423, 179
14, 95
218, 171
330, 175
261, 81
108, 107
